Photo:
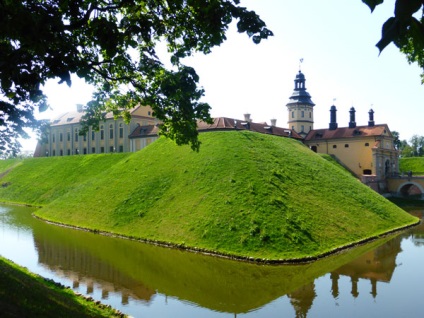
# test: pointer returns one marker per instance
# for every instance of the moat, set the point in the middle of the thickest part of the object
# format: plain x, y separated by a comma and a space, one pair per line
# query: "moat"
381, 279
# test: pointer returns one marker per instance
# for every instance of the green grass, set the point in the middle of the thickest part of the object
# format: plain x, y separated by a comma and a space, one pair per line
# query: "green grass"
414, 164
244, 194
23, 294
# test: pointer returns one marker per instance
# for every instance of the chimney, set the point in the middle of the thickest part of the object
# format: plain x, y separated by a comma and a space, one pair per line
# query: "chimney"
247, 118
80, 108
333, 120
273, 122
371, 120
352, 123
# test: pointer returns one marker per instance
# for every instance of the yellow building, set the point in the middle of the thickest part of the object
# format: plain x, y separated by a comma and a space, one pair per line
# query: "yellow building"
367, 151
63, 137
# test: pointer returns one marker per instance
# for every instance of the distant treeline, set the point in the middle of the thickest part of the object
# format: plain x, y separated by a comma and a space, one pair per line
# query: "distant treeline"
412, 148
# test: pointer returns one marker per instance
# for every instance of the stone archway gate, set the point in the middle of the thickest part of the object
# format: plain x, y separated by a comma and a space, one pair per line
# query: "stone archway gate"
405, 185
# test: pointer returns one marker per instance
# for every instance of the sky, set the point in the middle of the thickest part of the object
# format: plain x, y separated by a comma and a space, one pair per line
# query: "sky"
336, 40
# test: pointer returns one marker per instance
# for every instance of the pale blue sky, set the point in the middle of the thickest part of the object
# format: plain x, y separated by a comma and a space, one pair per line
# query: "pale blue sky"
337, 41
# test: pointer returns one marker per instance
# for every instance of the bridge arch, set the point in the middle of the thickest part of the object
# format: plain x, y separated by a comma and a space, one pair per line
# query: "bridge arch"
410, 188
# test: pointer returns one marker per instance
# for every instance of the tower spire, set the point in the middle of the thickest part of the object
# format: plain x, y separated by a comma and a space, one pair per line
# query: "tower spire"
300, 106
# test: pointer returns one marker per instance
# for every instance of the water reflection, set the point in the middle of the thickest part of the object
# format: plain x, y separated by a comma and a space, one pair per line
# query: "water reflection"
141, 272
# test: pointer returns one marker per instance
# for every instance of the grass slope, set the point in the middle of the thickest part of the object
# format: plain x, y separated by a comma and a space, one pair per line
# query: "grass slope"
244, 194
23, 294
414, 164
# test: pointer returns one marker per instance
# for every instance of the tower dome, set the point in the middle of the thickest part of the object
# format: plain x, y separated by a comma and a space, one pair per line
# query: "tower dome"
300, 107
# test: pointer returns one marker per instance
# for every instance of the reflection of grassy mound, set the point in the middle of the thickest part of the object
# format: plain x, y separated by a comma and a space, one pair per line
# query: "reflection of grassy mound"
414, 164
23, 294
245, 194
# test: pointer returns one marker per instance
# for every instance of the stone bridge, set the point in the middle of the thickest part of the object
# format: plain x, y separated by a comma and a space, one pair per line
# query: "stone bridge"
406, 185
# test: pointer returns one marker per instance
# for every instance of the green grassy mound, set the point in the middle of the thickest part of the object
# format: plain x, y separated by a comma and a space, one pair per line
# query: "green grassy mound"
414, 164
23, 294
244, 194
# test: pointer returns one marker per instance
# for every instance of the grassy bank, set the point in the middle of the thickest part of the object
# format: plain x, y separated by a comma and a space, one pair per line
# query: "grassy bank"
23, 294
414, 164
244, 194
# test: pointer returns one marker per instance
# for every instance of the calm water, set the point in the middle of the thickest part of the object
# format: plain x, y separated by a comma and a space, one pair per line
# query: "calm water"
382, 279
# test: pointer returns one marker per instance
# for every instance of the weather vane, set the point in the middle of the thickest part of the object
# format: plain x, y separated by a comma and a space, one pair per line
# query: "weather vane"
300, 63
334, 100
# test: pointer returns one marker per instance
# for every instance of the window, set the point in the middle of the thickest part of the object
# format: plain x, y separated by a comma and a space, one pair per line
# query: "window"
302, 128
102, 149
61, 152
69, 152
310, 128
54, 152
93, 135
346, 145
76, 134
102, 132
93, 150
54, 138
121, 130
334, 146
111, 131
85, 151
60, 137
111, 149
367, 145
310, 114
292, 114
121, 148
76, 152
69, 136
302, 114
85, 137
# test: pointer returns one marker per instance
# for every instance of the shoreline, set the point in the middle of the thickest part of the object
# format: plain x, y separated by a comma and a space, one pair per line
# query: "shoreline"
254, 260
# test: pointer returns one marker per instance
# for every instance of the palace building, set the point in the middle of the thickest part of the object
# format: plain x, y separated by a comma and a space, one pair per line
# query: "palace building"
367, 151
63, 139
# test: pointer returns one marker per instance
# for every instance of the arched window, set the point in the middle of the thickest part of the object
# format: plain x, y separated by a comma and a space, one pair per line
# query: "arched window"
102, 132
111, 131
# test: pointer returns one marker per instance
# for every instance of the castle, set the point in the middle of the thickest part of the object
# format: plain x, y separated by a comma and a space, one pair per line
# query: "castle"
367, 151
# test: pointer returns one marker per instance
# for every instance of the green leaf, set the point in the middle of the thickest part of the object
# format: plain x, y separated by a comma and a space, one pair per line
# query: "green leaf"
404, 9
372, 3
389, 33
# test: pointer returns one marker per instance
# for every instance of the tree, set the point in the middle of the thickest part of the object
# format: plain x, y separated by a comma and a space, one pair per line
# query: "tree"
404, 29
111, 44
396, 141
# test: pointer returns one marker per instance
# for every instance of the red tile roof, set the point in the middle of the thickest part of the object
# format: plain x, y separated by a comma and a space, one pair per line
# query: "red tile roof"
223, 123
346, 132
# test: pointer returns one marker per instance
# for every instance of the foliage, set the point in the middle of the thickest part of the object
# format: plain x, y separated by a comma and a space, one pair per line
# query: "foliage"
413, 148
23, 294
415, 164
404, 29
112, 45
245, 194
